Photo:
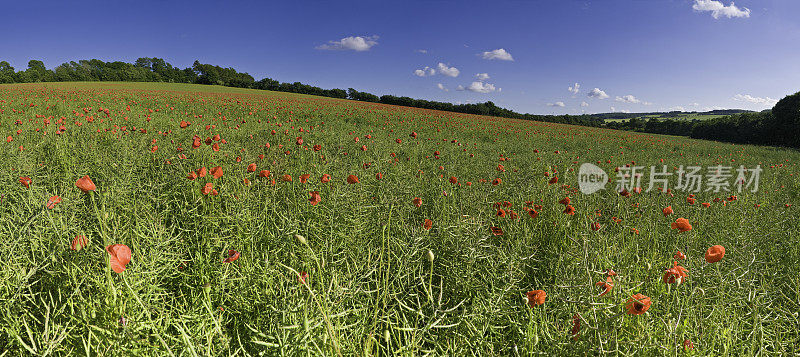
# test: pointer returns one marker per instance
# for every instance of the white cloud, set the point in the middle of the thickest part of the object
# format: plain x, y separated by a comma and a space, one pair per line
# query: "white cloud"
480, 87
574, 89
441, 86
460, 88
718, 9
556, 104
427, 71
677, 108
498, 54
766, 101
448, 71
597, 93
707, 109
421, 51
628, 99
355, 43
482, 76
584, 104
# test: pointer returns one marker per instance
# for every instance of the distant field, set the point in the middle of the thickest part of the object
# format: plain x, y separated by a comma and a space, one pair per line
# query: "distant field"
441, 246
679, 117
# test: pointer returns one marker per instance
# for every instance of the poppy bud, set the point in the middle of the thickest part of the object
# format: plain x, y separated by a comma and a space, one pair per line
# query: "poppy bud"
430, 256
301, 239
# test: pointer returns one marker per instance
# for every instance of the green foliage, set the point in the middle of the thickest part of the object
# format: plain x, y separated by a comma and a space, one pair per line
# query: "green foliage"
787, 119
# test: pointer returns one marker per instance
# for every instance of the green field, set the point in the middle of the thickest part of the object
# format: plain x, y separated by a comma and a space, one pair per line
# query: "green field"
358, 273
686, 116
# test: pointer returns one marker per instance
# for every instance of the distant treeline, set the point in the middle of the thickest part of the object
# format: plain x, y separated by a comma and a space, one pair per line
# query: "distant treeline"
780, 126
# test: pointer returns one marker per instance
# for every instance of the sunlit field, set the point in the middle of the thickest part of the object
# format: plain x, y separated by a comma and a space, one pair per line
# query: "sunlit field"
166, 219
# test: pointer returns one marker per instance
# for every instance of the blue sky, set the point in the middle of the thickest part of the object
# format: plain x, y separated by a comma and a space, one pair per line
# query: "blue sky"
644, 55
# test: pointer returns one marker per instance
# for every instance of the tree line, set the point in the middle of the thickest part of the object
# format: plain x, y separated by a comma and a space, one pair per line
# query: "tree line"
779, 126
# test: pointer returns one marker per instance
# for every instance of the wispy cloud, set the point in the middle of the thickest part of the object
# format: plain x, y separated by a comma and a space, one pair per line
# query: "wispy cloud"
480, 87
354, 43
766, 101
498, 54
718, 9
597, 93
425, 72
447, 71
574, 89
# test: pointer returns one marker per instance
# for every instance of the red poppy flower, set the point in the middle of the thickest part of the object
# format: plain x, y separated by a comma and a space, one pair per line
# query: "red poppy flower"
85, 184
251, 167
667, 211
535, 297
606, 286
691, 200
497, 231
427, 224
299, 141
569, 210
553, 180
201, 172
52, 202
79, 242
533, 213
687, 345
595, 226
501, 213
286, 178
315, 197
417, 201
232, 256
192, 175
379, 176
453, 180
246, 182
565, 201
325, 178
302, 277
216, 172
25, 181
304, 178
715, 253
119, 255
675, 274
496, 181
682, 224
638, 304
624, 193
576, 326
209, 189
264, 173
679, 255
351, 179
317, 147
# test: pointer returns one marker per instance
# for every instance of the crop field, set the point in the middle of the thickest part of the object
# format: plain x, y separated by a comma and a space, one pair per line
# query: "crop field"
686, 116
166, 219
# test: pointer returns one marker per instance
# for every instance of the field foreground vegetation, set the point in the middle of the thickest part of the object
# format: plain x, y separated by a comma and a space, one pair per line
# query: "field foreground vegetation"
279, 224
